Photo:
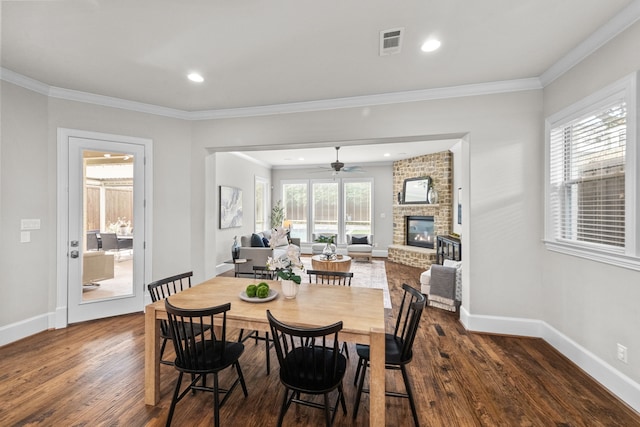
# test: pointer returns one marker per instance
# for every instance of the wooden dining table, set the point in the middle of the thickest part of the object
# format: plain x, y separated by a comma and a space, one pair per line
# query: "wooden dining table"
361, 311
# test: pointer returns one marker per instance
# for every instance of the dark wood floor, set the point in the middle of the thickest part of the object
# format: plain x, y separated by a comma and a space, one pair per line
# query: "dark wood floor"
91, 374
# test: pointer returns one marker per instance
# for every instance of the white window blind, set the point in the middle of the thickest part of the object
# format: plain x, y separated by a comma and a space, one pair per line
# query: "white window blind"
587, 177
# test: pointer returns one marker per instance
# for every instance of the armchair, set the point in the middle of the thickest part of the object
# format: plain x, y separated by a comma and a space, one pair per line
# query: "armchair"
360, 246
442, 284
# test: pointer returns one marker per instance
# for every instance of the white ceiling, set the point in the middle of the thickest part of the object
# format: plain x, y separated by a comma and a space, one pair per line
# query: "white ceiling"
255, 53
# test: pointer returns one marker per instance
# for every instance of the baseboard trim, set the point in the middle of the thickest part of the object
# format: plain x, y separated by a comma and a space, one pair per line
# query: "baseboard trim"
613, 380
25, 328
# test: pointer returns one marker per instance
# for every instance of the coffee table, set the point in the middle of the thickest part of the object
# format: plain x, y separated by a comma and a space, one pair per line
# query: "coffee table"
342, 264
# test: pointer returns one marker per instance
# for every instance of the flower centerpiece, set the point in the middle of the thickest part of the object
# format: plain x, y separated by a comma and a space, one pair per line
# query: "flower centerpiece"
286, 264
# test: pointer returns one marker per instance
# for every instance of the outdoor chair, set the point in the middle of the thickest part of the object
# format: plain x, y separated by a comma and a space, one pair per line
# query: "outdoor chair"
111, 242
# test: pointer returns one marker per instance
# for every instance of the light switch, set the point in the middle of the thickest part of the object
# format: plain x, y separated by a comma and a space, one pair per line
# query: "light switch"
25, 237
383, 215
30, 224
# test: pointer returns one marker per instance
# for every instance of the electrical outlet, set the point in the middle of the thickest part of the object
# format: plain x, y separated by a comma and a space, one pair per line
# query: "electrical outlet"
622, 353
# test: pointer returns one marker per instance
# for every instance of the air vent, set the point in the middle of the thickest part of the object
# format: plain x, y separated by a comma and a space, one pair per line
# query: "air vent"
391, 41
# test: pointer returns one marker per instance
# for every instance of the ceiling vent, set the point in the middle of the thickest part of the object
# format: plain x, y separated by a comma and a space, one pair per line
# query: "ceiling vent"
391, 41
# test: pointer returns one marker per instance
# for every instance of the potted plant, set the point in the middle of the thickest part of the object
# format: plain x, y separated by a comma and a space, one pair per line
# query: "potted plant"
277, 215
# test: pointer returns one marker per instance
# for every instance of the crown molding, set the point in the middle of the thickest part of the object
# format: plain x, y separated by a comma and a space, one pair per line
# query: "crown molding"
616, 25
109, 101
24, 81
297, 107
371, 100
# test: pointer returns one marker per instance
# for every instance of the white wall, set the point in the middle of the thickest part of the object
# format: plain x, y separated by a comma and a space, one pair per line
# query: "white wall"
233, 171
27, 281
28, 178
594, 304
505, 135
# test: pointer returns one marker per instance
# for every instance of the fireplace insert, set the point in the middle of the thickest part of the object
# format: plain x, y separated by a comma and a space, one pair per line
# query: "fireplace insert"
420, 231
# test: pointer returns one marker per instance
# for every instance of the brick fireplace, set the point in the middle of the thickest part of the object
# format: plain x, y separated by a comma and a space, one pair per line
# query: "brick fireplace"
439, 167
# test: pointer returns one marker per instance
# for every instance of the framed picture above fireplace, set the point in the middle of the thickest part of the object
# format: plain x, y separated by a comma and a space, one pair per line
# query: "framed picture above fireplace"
415, 189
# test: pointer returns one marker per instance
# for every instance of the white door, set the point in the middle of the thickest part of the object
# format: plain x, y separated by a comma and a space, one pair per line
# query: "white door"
106, 228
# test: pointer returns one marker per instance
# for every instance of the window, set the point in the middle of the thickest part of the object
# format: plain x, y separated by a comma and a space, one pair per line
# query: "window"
261, 203
296, 208
320, 206
357, 207
325, 207
591, 177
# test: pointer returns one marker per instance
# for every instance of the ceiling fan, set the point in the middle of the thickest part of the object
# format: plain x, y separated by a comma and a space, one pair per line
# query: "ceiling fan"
338, 166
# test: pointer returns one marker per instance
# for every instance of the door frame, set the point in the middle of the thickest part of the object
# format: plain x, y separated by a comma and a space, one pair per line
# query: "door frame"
62, 229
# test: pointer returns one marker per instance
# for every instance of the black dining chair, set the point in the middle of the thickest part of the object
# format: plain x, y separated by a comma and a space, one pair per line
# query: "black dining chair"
203, 353
398, 348
310, 363
263, 272
340, 278
330, 277
162, 289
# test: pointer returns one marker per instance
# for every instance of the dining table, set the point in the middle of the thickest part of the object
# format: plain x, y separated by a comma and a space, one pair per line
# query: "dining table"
360, 309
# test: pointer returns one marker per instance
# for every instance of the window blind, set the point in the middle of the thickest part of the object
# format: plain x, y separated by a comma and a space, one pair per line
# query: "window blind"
587, 177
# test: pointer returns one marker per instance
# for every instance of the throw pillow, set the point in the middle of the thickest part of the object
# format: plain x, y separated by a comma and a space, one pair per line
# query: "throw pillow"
265, 242
359, 240
256, 241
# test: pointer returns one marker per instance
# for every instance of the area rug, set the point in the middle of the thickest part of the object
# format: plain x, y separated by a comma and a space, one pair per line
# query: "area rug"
365, 274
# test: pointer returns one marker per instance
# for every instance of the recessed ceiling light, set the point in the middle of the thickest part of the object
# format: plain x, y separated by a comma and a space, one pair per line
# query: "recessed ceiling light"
386, 154
301, 158
107, 155
431, 45
195, 77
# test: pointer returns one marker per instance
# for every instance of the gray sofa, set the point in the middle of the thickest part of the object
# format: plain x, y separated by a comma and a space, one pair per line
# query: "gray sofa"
259, 255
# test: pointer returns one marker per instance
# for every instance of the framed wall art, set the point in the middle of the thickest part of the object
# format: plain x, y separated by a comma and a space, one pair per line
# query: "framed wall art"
230, 207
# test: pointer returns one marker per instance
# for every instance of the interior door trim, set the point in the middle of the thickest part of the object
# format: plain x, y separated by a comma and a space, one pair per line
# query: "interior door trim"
62, 231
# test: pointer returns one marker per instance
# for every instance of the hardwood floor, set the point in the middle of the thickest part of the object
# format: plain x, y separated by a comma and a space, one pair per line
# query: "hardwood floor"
91, 374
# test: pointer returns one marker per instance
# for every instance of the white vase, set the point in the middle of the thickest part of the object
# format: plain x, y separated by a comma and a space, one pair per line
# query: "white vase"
289, 289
